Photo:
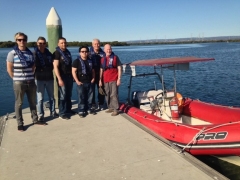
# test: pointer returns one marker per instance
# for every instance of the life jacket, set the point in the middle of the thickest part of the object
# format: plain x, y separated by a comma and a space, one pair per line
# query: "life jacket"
83, 71
44, 67
25, 63
94, 56
41, 58
66, 68
112, 63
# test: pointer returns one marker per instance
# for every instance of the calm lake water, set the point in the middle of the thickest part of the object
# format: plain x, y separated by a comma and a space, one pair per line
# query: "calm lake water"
214, 81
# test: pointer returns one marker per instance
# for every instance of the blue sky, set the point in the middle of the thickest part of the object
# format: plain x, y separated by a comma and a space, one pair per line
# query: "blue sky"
122, 20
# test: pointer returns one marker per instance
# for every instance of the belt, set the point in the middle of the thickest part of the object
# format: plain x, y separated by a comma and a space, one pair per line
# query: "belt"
27, 82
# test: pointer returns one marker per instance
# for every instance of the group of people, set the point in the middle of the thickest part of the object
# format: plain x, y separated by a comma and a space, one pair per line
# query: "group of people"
32, 73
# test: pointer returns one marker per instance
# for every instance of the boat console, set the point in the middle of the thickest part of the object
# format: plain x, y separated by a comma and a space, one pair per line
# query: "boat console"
153, 102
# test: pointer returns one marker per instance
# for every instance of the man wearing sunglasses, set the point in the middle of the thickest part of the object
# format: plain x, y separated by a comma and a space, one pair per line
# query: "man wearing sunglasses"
44, 77
20, 67
63, 69
84, 74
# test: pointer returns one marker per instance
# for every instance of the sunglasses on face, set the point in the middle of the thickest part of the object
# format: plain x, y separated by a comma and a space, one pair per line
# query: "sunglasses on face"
41, 43
19, 40
84, 51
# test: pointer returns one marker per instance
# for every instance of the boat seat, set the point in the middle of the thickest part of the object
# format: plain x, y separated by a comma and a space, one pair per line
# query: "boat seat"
147, 96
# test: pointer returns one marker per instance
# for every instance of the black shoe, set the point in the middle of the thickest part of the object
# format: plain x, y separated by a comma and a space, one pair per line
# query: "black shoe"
64, 117
21, 128
81, 115
54, 115
72, 112
40, 123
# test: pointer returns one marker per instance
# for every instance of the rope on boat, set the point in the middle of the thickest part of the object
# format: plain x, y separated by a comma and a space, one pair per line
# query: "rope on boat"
150, 119
193, 141
220, 125
161, 121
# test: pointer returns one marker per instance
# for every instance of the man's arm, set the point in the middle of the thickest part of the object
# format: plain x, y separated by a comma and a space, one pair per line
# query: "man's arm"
57, 73
93, 76
34, 68
119, 67
119, 75
75, 76
100, 76
10, 69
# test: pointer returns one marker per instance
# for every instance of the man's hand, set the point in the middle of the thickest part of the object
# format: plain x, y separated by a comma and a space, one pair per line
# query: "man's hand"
60, 82
118, 82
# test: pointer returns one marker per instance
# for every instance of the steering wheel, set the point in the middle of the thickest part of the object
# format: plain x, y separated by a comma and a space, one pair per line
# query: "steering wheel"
161, 93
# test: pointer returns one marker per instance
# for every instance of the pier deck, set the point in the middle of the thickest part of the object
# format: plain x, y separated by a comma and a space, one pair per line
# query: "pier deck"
92, 148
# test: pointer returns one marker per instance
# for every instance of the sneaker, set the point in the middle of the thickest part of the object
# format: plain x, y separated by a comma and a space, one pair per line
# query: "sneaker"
115, 113
41, 118
91, 111
93, 106
21, 128
109, 111
40, 123
54, 115
64, 117
100, 107
81, 115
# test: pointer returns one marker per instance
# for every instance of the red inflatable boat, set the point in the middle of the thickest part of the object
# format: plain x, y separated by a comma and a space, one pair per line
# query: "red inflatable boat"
197, 127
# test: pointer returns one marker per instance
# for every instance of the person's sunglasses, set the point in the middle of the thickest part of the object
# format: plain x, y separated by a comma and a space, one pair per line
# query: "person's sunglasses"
19, 40
84, 51
41, 43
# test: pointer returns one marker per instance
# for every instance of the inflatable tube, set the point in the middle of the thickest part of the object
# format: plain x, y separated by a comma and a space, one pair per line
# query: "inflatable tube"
212, 113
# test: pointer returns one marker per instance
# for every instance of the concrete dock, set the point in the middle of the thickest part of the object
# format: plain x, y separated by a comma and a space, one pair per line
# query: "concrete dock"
92, 148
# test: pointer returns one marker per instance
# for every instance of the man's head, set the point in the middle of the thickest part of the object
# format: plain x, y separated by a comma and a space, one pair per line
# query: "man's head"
108, 49
62, 43
83, 52
21, 39
96, 45
41, 43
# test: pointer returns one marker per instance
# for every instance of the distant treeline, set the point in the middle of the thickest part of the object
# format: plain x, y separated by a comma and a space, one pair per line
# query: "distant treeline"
180, 42
8, 44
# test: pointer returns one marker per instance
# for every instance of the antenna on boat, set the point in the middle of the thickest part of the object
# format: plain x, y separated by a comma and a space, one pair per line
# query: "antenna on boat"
155, 85
174, 79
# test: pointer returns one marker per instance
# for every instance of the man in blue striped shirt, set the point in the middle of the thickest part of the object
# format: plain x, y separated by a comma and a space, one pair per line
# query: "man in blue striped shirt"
20, 67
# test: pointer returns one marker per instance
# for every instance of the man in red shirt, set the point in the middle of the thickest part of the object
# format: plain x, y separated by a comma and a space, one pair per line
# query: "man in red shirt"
111, 72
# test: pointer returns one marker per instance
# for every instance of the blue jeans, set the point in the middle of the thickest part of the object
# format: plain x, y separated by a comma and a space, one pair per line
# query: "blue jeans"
85, 95
21, 88
100, 97
41, 85
65, 95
